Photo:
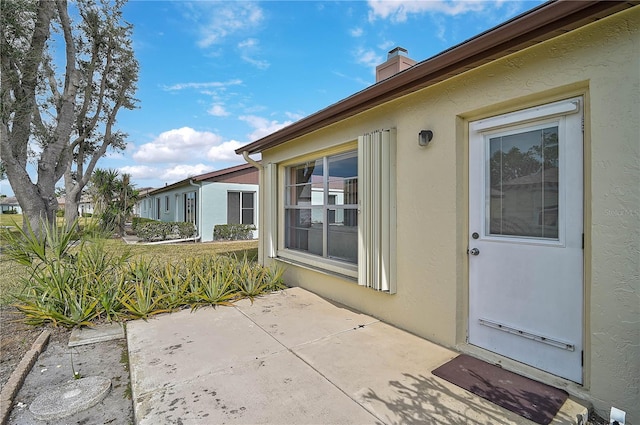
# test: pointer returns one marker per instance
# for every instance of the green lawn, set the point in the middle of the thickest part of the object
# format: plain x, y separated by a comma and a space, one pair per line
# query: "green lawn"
10, 219
10, 272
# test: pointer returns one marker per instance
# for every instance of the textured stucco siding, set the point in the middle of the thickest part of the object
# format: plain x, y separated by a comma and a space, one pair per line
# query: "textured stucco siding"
599, 62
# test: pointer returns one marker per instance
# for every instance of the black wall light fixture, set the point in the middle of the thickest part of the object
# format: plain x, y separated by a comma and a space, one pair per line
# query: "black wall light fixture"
424, 137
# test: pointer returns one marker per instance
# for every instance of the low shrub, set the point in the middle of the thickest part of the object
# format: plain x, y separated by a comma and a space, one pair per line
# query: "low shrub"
233, 232
162, 231
11, 211
136, 221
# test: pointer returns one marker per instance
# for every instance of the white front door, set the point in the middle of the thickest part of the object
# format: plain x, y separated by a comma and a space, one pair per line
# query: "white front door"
526, 236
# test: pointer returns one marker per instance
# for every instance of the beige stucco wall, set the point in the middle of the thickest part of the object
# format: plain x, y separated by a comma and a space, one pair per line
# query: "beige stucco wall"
601, 62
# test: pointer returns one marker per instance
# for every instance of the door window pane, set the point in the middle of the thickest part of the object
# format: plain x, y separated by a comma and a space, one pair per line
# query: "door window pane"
523, 184
190, 207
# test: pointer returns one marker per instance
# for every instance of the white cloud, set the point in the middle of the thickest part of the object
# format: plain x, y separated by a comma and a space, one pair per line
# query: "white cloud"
397, 11
177, 145
260, 64
386, 45
367, 57
201, 86
225, 151
249, 48
218, 111
226, 18
295, 116
356, 32
248, 43
139, 172
167, 175
262, 126
183, 171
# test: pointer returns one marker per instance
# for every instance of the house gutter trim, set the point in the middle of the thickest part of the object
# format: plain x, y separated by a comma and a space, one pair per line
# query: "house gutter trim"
251, 161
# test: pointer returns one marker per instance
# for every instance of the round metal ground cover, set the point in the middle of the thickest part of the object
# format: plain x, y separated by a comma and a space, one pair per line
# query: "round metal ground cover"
70, 398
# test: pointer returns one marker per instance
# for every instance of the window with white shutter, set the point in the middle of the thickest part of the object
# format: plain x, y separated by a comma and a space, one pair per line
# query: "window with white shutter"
340, 212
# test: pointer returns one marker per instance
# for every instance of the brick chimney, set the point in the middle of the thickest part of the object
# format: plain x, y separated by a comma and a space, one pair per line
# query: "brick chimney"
397, 60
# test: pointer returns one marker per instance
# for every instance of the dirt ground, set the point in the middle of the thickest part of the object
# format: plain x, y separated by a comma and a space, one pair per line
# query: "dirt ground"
15, 340
56, 365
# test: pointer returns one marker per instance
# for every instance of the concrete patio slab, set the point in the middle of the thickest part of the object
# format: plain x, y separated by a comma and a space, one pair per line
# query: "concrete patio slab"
292, 358
389, 372
277, 389
98, 333
296, 316
185, 345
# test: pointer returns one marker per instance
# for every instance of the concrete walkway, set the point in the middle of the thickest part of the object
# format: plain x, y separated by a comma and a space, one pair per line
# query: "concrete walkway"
295, 358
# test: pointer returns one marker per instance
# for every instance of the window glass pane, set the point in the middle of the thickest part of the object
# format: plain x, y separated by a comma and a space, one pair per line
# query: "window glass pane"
301, 234
299, 195
523, 184
247, 199
315, 221
303, 173
233, 207
343, 179
247, 216
305, 184
342, 242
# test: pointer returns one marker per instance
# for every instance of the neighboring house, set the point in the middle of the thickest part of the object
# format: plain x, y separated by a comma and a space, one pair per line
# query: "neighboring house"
85, 206
141, 208
485, 198
228, 196
8, 204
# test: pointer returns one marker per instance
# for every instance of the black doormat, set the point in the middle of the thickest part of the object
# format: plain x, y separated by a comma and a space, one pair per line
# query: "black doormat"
533, 400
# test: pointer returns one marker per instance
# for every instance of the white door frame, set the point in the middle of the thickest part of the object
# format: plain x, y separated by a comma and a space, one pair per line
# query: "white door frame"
506, 314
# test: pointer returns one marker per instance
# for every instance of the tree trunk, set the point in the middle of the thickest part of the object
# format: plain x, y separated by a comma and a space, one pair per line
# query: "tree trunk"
38, 201
39, 204
71, 203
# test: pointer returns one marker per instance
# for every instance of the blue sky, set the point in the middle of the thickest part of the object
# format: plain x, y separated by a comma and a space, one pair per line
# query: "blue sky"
217, 75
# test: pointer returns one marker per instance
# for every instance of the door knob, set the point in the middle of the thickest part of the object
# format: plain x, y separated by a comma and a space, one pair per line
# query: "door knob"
474, 251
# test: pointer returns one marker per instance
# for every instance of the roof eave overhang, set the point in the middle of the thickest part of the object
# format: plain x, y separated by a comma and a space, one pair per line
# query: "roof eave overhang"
542, 23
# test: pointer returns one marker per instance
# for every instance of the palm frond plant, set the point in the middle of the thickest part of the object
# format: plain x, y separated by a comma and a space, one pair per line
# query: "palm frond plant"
174, 281
140, 295
253, 280
81, 306
214, 277
25, 246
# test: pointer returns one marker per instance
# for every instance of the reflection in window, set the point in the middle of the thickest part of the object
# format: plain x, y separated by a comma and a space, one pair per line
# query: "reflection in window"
321, 207
523, 184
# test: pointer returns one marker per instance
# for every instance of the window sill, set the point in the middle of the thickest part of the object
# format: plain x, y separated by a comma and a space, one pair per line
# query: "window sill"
322, 265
